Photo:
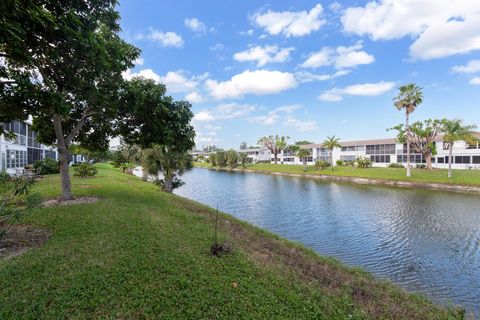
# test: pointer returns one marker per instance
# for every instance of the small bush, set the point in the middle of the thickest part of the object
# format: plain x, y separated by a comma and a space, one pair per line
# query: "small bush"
421, 166
47, 166
5, 177
340, 162
221, 159
212, 159
396, 165
232, 158
320, 165
85, 170
363, 162
349, 163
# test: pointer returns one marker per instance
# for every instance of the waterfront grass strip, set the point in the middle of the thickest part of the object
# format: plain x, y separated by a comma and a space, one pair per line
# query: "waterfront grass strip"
460, 177
143, 254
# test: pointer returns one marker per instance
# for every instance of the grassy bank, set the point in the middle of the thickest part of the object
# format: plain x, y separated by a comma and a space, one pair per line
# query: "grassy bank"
460, 177
142, 254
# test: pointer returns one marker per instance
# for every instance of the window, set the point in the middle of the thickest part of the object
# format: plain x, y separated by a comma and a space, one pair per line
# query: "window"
348, 158
381, 149
380, 159
353, 148
441, 160
414, 158
476, 159
446, 145
309, 159
16, 158
462, 159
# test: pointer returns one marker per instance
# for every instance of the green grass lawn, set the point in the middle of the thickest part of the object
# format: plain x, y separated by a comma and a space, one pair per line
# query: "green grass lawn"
139, 253
460, 177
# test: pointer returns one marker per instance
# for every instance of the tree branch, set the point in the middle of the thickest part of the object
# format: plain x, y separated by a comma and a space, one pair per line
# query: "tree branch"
86, 114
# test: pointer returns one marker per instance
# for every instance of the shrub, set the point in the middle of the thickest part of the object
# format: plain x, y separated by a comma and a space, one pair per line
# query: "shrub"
47, 166
349, 163
5, 177
396, 165
212, 159
220, 159
363, 162
16, 201
421, 166
232, 158
340, 163
85, 170
320, 165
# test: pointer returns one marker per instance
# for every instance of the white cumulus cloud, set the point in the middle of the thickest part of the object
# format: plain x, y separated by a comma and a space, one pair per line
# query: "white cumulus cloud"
304, 77
272, 116
475, 81
224, 111
341, 57
258, 82
472, 66
439, 28
165, 39
290, 23
194, 97
365, 89
195, 25
300, 125
264, 55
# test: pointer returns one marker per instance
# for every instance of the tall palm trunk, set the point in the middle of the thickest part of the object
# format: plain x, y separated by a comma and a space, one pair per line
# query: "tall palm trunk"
331, 158
275, 160
407, 129
450, 156
304, 164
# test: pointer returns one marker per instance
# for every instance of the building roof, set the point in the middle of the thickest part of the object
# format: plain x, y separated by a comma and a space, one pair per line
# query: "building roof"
373, 141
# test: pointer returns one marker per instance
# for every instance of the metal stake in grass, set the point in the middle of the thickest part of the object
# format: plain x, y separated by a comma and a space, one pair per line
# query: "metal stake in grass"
216, 225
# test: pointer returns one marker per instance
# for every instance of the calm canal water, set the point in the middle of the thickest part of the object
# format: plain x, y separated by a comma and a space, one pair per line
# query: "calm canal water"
427, 242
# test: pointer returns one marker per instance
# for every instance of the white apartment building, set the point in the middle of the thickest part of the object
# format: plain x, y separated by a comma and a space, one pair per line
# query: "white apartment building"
383, 152
255, 155
24, 149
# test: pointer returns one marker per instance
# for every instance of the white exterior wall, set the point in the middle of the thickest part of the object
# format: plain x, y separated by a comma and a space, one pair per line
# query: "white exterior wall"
459, 149
20, 146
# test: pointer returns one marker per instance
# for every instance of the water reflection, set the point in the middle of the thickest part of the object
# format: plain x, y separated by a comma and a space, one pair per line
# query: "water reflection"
426, 241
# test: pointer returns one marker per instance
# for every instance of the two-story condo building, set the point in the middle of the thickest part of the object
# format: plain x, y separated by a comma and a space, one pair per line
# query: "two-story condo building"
383, 152
24, 149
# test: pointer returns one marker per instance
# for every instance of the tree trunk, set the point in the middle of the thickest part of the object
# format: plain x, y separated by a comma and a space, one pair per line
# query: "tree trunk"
65, 175
304, 164
450, 158
168, 182
428, 158
331, 158
407, 129
275, 160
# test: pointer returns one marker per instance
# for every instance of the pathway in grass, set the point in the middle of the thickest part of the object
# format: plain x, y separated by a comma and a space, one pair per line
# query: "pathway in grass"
140, 253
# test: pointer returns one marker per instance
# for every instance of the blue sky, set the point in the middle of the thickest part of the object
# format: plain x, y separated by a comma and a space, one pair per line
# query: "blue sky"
307, 69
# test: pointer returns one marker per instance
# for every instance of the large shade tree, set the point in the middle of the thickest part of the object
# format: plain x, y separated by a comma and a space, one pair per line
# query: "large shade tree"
160, 126
275, 144
422, 137
62, 64
408, 99
455, 130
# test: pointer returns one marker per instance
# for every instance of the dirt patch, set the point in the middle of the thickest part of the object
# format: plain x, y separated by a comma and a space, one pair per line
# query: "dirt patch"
19, 238
79, 200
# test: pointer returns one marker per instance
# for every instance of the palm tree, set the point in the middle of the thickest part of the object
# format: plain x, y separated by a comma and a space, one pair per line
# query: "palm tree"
168, 161
303, 154
331, 143
454, 130
409, 97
